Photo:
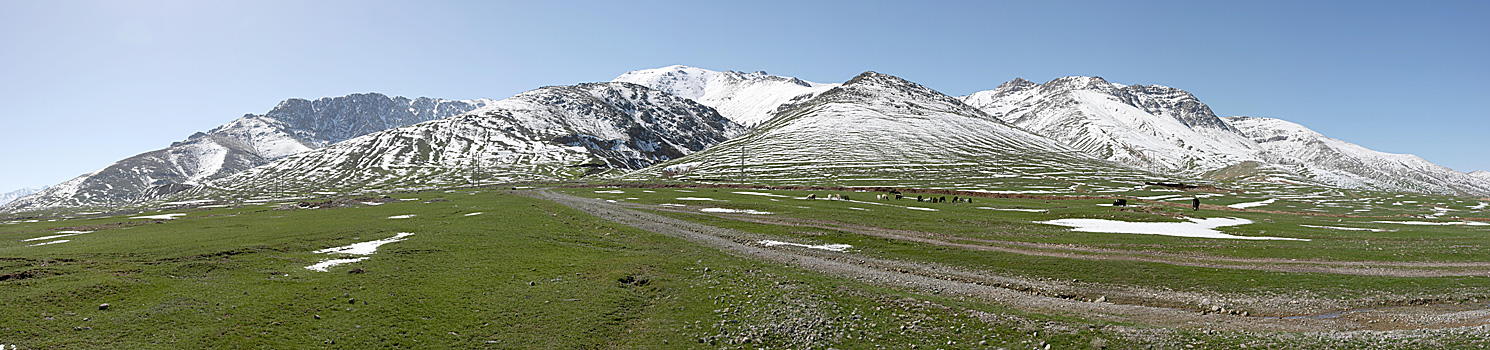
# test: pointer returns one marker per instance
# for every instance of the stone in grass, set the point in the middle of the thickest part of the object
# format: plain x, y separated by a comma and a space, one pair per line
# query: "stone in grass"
104, 306
356, 271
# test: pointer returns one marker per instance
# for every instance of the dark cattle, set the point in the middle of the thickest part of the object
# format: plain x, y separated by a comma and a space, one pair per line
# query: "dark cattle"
918, 198
1195, 203
1120, 203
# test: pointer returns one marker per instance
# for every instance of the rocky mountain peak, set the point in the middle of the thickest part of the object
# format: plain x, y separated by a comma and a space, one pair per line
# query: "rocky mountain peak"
1076, 82
1016, 85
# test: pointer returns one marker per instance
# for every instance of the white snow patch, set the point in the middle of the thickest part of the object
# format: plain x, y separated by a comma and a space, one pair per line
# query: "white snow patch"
473, 214
830, 247
401, 216
922, 209
372, 203
1198, 228
695, 199
160, 217
64, 234
1481, 206
363, 248
727, 210
321, 266
1253, 204
673, 205
46, 243
854, 208
611, 191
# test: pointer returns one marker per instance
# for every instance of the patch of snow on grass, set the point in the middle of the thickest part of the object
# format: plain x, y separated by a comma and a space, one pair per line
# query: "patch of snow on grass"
1253, 204
1197, 228
52, 242
1481, 206
695, 199
372, 203
473, 214
731, 211
321, 266
921, 209
830, 247
611, 191
363, 248
673, 205
64, 234
160, 217
854, 208
406, 216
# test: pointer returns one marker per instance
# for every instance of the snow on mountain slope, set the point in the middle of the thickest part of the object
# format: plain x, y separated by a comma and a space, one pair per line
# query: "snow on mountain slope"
878, 129
1153, 127
1169, 130
1339, 163
555, 132
1481, 174
17, 194
745, 98
294, 126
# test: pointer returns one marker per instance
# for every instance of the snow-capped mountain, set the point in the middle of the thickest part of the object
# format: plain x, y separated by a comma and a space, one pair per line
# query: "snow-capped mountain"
17, 194
1168, 130
555, 132
880, 129
745, 98
1481, 174
1343, 164
1153, 127
294, 126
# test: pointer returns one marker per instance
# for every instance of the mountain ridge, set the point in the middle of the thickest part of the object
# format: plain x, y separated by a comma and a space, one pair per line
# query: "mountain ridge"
292, 126
555, 132
1166, 129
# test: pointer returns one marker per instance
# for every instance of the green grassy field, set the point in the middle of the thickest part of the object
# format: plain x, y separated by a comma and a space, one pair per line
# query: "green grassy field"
528, 273
523, 274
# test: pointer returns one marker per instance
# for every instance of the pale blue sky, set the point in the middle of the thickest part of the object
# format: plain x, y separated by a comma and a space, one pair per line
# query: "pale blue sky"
85, 83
